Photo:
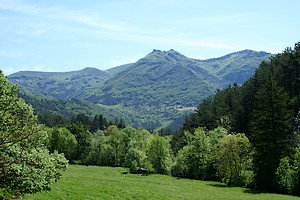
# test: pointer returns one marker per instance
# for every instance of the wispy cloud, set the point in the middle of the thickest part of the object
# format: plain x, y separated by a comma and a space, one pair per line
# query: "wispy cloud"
116, 28
62, 14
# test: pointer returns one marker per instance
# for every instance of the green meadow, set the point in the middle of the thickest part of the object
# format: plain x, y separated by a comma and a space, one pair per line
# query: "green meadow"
93, 182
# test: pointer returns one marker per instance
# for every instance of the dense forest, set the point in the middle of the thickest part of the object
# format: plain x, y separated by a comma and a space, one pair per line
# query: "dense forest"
265, 109
243, 136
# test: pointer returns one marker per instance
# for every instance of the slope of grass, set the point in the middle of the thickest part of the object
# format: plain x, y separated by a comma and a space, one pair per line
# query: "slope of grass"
92, 182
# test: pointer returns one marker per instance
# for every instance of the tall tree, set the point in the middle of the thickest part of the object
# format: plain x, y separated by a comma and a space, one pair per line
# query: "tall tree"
25, 164
272, 134
158, 153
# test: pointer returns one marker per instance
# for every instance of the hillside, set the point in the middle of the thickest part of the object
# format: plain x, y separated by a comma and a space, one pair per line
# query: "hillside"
154, 92
163, 79
61, 85
115, 70
160, 80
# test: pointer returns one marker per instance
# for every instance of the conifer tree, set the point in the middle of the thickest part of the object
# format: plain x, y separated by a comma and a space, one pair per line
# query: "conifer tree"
271, 131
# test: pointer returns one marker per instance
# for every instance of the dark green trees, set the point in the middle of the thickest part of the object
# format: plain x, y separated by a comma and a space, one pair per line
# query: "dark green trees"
264, 109
271, 130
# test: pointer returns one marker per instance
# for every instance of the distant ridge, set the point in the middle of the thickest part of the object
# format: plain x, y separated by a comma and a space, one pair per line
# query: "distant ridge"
149, 90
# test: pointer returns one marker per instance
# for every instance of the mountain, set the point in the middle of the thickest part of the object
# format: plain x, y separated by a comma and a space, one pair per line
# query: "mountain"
154, 92
161, 79
236, 67
168, 78
61, 85
113, 71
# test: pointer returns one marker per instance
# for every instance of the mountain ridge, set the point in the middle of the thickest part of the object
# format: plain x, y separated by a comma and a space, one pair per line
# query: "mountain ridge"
149, 90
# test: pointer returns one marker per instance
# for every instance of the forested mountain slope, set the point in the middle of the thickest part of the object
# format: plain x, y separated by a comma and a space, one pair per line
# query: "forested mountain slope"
61, 85
168, 78
154, 91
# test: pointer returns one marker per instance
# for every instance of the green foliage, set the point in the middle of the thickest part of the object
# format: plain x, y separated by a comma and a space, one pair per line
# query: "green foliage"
284, 176
132, 148
25, 164
100, 152
263, 108
271, 130
63, 141
83, 138
135, 159
119, 142
233, 160
196, 159
158, 152
222, 109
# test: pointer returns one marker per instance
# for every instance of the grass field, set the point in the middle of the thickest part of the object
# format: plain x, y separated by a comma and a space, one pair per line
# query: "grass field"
91, 182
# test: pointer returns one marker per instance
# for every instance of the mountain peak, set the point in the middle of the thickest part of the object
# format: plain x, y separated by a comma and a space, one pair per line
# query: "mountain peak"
91, 70
163, 56
157, 51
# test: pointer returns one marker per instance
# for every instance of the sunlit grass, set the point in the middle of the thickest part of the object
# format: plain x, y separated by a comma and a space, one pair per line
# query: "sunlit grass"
92, 182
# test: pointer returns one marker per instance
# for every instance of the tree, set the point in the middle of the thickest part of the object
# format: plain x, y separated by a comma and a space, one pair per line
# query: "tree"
288, 172
136, 157
83, 138
159, 156
233, 159
63, 141
101, 152
285, 176
25, 164
195, 159
271, 131
119, 142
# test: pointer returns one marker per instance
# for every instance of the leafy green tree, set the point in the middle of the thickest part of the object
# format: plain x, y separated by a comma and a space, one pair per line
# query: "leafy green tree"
136, 157
158, 152
63, 141
202, 157
119, 142
296, 169
233, 159
25, 164
83, 138
214, 136
195, 159
288, 174
182, 163
285, 176
101, 152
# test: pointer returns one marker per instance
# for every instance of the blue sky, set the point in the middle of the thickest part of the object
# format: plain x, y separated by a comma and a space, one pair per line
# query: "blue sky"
57, 35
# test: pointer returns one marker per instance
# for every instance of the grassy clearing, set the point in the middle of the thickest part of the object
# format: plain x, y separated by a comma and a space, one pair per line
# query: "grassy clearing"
92, 182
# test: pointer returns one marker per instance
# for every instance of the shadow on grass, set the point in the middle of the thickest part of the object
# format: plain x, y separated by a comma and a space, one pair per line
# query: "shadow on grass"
252, 191
247, 190
220, 185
